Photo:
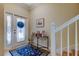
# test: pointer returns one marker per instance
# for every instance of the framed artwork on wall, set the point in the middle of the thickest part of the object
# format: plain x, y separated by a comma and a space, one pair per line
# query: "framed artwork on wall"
40, 22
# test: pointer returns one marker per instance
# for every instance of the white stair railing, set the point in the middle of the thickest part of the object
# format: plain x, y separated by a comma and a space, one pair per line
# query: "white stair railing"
55, 29
53, 40
76, 39
61, 41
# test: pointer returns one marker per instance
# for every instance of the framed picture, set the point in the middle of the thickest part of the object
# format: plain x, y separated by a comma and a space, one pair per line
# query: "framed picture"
40, 22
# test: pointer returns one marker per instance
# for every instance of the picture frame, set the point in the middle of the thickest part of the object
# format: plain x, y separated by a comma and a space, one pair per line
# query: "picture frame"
40, 22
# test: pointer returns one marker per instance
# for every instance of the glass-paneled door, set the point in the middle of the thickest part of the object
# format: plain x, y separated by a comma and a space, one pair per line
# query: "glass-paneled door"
14, 30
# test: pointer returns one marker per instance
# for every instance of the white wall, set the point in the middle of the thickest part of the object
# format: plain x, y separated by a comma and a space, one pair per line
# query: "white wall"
1, 30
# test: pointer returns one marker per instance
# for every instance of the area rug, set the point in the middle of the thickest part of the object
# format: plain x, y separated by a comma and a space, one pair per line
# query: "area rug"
26, 50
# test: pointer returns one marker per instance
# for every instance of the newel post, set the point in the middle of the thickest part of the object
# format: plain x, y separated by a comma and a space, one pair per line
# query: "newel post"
53, 39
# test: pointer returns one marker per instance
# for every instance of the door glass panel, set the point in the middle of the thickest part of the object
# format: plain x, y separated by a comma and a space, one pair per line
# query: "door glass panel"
9, 29
20, 29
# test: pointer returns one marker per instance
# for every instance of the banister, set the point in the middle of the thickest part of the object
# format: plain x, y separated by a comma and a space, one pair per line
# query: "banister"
72, 20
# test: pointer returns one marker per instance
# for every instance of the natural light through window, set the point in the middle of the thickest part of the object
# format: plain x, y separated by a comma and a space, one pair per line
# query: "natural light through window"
20, 29
9, 29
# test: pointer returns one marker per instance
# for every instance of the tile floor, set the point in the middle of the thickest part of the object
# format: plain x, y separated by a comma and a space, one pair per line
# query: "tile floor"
7, 54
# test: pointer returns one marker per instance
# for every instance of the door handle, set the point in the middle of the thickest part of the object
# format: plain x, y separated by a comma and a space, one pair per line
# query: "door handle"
14, 31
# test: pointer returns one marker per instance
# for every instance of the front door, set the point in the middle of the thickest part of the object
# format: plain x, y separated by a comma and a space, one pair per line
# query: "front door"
14, 30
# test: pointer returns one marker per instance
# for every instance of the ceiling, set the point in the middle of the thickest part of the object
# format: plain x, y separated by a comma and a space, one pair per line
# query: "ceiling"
29, 5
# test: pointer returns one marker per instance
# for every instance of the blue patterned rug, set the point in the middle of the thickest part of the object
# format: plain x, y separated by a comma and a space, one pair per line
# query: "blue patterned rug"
26, 50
